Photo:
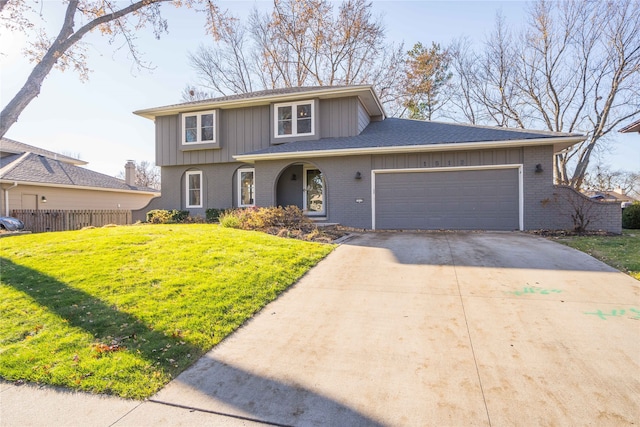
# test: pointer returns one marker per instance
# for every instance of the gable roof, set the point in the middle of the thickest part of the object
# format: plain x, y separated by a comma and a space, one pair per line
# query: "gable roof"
265, 97
9, 146
36, 169
403, 135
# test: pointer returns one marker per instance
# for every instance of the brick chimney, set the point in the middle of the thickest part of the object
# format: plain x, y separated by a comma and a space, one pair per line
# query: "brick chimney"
130, 173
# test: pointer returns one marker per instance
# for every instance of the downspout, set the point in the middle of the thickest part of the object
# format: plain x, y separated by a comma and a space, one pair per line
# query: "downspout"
6, 197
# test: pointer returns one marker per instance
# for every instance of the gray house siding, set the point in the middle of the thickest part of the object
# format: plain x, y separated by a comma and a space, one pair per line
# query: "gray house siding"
363, 117
339, 117
341, 187
243, 130
449, 159
349, 199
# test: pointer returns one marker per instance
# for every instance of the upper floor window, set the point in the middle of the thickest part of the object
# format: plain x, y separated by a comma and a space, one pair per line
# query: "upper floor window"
198, 128
294, 119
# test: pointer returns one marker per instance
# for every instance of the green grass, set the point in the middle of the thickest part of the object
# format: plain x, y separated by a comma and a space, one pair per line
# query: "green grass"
124, 310
621, 252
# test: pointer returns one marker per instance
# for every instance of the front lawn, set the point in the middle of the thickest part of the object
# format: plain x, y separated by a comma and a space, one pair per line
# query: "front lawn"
124, 310
621, 252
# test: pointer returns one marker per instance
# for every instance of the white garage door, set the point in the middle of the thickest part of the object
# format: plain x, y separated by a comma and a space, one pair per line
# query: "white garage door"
470, 199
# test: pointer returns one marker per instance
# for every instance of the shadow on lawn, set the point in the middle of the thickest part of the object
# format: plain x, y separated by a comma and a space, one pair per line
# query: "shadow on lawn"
273, 401
111, 328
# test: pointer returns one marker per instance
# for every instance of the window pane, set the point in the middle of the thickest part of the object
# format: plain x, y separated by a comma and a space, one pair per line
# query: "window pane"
246, 188
304, 111
190, 132
315, 191
207, 120
194, 198
191, 135
304, 125
284, 127
207, 134
194, 189
284, 113
190, 122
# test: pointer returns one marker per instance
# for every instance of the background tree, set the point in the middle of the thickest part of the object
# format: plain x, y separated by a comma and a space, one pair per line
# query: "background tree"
299, 43
146, 175
574, 68
426, 75
602, 178
65, 50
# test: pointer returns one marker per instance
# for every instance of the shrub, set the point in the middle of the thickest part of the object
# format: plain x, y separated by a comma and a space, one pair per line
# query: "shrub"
158, 216
631, 216
163, 216
282, 222
179, 216
229, 219
213, 215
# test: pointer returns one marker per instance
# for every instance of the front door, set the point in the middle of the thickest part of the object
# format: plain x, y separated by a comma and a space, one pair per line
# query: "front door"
314, 201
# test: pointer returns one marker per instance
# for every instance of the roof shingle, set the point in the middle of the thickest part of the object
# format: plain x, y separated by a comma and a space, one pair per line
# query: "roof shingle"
393, 132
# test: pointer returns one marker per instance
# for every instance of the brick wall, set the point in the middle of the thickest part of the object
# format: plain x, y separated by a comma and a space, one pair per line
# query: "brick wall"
348, 200
550, 207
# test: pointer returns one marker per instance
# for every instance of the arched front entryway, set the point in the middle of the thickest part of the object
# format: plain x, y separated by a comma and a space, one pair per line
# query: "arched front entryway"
302, 185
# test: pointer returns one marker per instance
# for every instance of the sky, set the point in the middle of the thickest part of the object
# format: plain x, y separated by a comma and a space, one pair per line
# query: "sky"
93, 121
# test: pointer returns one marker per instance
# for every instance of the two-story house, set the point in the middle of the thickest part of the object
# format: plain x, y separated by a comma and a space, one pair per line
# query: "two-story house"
333, 152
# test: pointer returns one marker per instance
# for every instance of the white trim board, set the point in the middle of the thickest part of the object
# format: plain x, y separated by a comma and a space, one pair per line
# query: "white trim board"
405, 149
518, 166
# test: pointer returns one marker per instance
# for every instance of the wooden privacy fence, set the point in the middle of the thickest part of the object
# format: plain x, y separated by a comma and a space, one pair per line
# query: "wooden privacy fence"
39, 220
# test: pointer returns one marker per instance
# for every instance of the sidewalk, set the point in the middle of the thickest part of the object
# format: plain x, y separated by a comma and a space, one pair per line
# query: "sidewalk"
29, 405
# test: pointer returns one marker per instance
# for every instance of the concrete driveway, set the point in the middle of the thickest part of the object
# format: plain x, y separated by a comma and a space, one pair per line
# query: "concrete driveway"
417, 329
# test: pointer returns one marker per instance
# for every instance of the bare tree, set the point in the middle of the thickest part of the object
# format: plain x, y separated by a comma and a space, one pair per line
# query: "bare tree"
66, 49
602, 178
574, 68
299, 43
146, 175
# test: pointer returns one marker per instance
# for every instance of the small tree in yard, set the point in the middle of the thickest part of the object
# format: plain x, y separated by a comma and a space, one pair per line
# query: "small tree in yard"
582, 210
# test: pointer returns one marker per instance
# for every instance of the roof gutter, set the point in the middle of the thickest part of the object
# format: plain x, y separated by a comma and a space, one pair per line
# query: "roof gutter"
81, 187
152, 113
250, 158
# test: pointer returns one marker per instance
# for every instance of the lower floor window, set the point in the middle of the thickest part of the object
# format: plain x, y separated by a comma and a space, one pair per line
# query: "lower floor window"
246, 187
194, 189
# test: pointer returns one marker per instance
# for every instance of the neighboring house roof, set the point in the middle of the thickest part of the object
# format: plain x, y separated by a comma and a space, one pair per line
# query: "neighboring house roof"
393, 135
633, 127
37, 169
9, 146
609, 195
365, 92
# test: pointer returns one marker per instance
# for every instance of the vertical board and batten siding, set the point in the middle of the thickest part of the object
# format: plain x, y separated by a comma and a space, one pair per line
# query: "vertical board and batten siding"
363, 117
338, 117
448, 159
243, 130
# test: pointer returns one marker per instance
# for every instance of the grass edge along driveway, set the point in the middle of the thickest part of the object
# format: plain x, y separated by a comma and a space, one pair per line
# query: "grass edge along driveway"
124, 310
621, 252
